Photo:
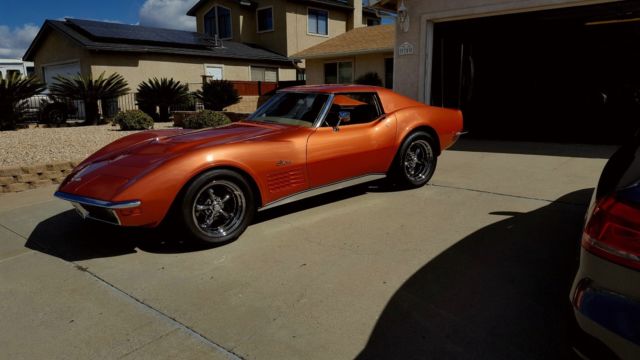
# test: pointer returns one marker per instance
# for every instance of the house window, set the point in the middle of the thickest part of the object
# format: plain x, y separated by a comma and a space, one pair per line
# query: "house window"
213, 72
301, 75
318, 21
338, 72
265, 19
218, 22
265, 74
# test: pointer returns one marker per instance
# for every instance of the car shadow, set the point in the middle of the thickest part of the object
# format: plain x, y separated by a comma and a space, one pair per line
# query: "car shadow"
500, 293
70, 238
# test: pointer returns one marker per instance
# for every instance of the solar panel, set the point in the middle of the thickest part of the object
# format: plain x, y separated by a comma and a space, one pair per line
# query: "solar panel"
105, 30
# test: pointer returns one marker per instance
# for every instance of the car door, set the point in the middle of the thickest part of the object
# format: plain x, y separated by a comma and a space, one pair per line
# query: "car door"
361, 146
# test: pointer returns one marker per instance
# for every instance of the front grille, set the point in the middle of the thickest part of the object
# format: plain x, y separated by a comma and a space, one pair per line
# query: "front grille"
101, 214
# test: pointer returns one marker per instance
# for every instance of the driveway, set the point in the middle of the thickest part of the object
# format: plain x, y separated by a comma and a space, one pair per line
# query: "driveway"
476, 265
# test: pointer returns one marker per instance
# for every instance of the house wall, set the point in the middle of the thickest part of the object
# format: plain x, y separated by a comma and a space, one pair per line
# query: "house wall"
140, 67
56, 49
412, 71
362, 64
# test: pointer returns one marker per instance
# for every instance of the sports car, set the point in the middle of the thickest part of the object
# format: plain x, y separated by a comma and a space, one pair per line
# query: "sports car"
302, 142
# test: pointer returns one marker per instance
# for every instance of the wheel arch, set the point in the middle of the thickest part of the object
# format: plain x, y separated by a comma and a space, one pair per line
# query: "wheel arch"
427, 129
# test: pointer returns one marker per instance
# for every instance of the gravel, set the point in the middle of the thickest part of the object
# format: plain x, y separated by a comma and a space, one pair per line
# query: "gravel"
35, 146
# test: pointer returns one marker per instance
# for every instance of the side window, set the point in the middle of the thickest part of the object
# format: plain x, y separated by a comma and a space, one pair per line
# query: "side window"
362, 107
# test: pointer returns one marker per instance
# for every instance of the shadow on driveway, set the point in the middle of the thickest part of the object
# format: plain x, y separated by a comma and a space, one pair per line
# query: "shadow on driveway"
70, 238
500, 293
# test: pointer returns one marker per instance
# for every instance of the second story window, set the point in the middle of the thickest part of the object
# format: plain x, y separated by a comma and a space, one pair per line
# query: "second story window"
265, 19
218, 21
318, 22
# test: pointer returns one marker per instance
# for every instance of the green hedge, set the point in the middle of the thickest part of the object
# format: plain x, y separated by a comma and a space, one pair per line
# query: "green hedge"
133, 120
205, 119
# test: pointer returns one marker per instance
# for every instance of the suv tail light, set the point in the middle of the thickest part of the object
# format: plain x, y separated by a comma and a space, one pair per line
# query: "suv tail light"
613, 232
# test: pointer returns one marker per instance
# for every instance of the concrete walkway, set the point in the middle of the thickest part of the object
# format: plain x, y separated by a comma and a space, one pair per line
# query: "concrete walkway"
477, 265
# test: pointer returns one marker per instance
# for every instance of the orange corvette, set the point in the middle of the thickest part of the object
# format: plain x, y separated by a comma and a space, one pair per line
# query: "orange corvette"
304, 141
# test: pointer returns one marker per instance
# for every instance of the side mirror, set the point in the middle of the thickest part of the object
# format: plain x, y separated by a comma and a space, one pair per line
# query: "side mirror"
343, 117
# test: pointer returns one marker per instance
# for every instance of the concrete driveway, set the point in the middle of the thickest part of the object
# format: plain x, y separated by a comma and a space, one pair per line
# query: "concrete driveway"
476, 265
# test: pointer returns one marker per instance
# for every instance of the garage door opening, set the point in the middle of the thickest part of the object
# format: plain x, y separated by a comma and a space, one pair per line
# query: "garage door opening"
568, 75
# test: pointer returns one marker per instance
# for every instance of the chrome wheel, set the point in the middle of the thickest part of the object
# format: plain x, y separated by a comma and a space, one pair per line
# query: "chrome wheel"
219, 208
418, 160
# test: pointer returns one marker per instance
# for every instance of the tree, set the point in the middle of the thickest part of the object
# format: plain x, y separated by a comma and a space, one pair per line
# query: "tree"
370, 78
90, 90
15, 89
217, 95
161, 93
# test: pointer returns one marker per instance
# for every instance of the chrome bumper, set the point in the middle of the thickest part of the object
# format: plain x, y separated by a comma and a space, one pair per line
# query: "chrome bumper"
100, 210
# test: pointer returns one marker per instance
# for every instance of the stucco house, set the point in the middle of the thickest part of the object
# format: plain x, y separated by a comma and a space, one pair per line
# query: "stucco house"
348, 56
550, 70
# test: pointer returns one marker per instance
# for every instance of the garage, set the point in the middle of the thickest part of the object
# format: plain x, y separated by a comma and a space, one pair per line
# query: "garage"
67, 69
562, 75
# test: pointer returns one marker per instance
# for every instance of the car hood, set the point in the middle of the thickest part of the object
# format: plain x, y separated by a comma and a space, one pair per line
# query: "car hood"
106, 172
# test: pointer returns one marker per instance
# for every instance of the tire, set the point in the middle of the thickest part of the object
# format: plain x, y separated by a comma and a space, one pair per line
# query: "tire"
56, 116
217, 206
415, 162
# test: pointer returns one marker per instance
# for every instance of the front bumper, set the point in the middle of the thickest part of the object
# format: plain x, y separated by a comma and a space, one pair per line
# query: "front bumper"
606, 304
100, 210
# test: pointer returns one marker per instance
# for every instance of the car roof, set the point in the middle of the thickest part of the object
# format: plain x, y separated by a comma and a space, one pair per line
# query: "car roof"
331, 88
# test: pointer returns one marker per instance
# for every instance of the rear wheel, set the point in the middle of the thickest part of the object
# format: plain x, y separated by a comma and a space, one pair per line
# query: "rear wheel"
218, 206
416, 161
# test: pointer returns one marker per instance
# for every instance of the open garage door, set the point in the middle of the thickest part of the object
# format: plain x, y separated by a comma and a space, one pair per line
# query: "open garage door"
568, 75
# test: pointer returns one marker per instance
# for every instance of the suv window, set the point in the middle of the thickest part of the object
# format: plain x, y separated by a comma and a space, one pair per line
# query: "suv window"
363, 108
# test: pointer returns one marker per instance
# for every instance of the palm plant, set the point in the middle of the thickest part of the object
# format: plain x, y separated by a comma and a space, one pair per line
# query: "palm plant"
217, 95
90, 90
162, 93
14, 90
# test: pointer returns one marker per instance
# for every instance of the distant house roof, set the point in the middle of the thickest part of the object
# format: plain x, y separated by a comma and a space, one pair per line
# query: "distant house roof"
105, 36
363, 40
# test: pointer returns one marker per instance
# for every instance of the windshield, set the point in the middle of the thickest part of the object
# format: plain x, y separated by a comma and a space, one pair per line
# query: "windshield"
289, 108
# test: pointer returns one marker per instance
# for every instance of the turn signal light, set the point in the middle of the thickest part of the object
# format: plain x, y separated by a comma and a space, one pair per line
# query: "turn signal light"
613, 232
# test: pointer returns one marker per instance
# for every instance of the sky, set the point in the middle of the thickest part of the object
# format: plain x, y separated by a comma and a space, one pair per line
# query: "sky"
20, 20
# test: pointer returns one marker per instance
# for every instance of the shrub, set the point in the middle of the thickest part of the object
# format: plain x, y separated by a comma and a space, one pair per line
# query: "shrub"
370, 78
14, 90
204, 119
133, 120
90, 90
217, 95
162, 93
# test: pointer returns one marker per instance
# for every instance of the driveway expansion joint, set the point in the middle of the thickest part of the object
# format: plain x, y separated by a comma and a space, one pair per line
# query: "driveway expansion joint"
226, 352
511, 195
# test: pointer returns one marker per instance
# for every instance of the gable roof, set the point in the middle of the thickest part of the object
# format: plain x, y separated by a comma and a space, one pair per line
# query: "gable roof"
362, 40
104, 36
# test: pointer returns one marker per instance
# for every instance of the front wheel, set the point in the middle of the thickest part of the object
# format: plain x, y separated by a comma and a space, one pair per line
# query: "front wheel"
218, 206
416, 161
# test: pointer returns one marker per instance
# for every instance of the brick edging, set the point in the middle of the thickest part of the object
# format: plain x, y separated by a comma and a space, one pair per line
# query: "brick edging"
20, 178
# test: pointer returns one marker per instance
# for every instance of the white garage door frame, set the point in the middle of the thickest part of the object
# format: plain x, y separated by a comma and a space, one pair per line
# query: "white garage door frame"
428, 20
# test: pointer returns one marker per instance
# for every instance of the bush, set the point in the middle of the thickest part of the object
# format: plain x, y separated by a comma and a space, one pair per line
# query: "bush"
217, 95
370, 78
204, 119
162, 93
133, 120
